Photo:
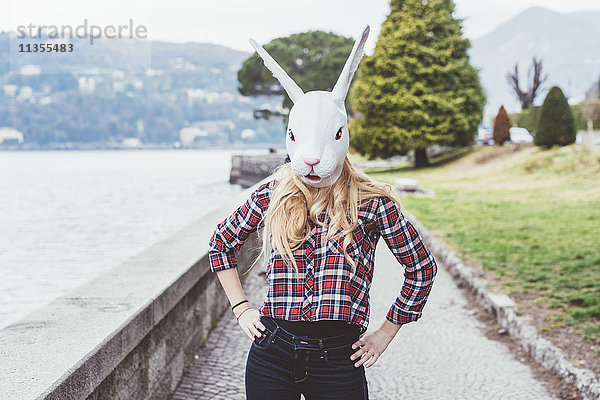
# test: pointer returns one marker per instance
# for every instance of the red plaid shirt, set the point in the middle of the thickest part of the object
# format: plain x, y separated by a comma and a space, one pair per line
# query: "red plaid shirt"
329, 290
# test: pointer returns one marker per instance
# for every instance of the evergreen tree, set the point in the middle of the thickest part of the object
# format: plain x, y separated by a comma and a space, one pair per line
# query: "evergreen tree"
501, 127
418, 88
557, 125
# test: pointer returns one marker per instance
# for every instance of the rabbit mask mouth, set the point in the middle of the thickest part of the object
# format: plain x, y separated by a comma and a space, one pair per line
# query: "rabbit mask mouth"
313, 179
317, 135
320, 177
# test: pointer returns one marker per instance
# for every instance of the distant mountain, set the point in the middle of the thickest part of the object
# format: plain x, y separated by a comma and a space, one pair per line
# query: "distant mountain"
134, 57
568, 44
157, 92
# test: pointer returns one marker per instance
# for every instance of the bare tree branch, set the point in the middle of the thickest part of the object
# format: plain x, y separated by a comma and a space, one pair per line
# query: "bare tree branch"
526, 98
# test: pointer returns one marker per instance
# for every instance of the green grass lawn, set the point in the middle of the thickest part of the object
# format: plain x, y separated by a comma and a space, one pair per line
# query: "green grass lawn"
530, 216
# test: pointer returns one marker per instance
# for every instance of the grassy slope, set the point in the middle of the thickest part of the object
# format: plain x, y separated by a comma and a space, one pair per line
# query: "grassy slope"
530, 216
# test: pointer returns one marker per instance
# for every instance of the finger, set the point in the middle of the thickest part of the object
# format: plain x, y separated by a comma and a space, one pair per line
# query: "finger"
358, 343
247, 332
372, 361
358, 353
261, 326
254, 331
360, 361
364, 359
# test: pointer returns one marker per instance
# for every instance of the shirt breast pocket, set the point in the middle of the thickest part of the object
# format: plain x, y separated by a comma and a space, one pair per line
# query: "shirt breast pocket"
354, 250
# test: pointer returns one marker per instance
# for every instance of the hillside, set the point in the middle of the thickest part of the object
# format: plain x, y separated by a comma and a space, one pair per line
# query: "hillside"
119, 89
569, 45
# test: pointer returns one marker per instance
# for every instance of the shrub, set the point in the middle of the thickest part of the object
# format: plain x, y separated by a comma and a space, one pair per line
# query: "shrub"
527, 118
530, 117
501, 127
557, 124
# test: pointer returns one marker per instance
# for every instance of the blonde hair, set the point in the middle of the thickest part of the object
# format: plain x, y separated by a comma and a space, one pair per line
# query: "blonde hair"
293, 203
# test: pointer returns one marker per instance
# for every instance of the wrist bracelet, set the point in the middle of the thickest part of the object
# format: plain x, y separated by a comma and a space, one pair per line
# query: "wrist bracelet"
238, 317
241, 302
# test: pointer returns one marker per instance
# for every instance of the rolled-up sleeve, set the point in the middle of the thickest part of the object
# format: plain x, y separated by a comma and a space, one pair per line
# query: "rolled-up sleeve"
420, 267
233, 231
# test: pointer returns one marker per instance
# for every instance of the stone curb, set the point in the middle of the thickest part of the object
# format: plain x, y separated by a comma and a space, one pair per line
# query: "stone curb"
500, 305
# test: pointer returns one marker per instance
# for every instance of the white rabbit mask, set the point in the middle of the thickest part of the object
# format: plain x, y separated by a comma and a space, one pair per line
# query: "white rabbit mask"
317, 131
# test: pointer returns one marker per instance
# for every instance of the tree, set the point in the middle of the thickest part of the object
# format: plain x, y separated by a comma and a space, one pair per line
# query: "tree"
313, 59
526, 98
590, 109
557, 125
501, 127
418, 88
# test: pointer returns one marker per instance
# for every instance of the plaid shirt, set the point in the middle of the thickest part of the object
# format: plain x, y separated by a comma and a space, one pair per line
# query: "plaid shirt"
329, 290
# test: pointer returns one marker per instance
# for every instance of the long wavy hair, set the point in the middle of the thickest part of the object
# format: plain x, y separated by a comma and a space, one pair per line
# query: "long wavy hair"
293, 203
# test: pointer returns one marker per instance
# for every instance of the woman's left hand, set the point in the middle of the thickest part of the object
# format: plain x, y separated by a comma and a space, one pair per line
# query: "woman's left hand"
371, 344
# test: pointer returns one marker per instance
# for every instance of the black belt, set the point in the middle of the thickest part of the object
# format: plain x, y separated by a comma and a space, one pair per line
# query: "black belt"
348, 337
318, 329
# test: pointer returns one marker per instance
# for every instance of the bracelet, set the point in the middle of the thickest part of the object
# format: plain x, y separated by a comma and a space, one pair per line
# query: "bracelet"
241, 302
238, 317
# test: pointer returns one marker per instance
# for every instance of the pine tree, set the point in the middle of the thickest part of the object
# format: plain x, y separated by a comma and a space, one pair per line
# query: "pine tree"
557, 125
501, 127
418, 88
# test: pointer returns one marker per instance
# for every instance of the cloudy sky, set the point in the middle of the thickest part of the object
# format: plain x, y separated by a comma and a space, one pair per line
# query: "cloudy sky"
231, 22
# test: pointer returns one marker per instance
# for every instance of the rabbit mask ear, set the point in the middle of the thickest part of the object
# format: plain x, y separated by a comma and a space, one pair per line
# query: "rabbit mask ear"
340, 90
292, 89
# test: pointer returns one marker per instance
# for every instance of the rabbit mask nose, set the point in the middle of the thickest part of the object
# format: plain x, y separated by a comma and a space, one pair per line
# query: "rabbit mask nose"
311, 161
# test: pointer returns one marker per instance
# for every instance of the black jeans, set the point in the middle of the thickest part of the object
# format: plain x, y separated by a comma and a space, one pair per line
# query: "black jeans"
281, 366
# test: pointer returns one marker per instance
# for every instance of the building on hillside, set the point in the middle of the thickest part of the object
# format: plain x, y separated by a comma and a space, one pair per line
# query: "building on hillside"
10, 136
131, 143
10, 90
207, 132
87, 84
31, 70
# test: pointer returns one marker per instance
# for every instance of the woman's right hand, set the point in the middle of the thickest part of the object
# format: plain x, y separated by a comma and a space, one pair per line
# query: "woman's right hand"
250, 323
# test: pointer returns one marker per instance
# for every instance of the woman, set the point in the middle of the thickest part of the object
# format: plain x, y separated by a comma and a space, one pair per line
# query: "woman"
322, 219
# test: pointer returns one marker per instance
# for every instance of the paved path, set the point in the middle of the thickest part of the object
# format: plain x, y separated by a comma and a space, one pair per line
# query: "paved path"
444, 355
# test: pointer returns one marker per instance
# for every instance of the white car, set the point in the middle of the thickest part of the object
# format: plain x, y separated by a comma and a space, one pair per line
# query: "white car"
484, 137
520, 135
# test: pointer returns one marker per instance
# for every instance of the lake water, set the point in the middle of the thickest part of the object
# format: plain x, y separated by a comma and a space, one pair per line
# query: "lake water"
67, 216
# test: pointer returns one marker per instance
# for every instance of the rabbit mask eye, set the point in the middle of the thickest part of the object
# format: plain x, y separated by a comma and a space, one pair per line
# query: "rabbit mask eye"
291, 135
338, 135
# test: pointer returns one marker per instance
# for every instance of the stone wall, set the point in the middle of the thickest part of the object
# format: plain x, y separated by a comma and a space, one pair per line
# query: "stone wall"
246, 170
128, 334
